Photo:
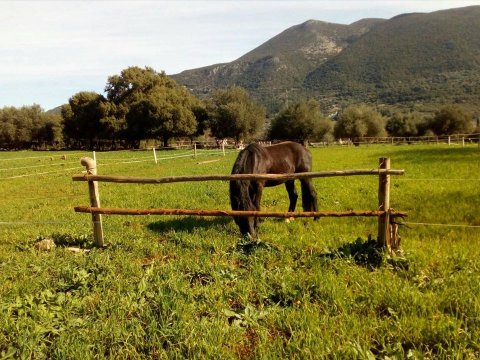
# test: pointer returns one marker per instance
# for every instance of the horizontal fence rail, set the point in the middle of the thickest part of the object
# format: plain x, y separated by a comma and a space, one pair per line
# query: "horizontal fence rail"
124, 211
387, 227
275, 177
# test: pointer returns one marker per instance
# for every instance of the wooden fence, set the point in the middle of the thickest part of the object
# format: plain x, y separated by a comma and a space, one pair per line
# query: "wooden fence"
387, 227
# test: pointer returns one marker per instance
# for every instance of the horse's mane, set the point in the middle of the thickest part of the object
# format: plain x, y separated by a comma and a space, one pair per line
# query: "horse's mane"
245, 164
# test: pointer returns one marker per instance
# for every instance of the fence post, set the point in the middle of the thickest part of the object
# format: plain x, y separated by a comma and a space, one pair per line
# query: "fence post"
194, 149
91, 167
383, 238
154, 155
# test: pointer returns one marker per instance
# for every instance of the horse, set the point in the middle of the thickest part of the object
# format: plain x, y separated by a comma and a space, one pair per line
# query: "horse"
282, 158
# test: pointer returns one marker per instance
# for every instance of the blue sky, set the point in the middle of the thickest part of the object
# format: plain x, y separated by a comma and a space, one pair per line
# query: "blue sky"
50, 50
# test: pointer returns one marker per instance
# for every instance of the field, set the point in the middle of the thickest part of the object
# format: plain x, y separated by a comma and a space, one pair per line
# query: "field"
190, 287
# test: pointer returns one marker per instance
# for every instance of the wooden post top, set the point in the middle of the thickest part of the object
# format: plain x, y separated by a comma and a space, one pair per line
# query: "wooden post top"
89, 163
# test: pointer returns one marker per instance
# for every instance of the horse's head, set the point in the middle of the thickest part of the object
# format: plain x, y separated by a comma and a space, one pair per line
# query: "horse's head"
240, 200
246, 224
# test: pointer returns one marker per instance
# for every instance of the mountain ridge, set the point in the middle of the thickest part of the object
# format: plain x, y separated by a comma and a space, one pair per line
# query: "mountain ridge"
413, 57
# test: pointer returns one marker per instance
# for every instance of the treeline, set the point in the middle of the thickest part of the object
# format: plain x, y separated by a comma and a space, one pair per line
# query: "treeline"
141, 103
29, 127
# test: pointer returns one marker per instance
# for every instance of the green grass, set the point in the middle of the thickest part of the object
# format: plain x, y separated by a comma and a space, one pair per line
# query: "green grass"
190, 287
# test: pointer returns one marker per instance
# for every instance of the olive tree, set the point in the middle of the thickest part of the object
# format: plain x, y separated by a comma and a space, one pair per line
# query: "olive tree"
451, 119
152, 104
301, 121
163, 114
82, 117
233, 114
405, 124
360, 121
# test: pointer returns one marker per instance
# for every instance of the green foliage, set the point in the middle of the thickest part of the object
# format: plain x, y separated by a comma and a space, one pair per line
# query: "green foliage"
360, 121
154, 106
301, 121
233, 114
451, 120
401, 124
162, 114
22, 127
83, 117
133, 83
411, 58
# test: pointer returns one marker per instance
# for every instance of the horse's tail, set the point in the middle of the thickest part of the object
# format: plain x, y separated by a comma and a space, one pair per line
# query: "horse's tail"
309, 195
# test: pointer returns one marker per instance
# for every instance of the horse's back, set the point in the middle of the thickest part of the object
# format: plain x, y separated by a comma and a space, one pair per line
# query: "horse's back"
290, 157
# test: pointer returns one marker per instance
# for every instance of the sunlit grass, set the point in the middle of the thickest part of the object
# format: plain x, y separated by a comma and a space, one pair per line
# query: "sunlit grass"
181, 287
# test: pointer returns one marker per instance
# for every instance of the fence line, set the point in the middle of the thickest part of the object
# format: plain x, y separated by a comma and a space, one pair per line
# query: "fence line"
48, 222
104, 164
460, 139
445, 139
202, 212
42, 198
37, 166
387, 228
36, 174
122, 211
275, 177
436, 224
122, 159
435, 179
45, 156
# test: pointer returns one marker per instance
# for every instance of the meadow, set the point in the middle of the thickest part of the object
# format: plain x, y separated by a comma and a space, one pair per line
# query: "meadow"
190, 287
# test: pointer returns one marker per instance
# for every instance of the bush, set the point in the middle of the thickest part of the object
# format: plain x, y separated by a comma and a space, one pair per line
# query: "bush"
451, 119
360, 121
301, 121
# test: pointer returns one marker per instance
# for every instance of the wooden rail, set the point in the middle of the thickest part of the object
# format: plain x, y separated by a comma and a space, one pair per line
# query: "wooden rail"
387, 229
202, 212
278, 177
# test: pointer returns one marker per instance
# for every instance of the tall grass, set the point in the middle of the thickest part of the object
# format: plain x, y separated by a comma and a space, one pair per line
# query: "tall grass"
178, 287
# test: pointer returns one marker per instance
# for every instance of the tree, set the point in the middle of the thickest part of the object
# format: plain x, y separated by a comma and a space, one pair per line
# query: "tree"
83, 115
233, 114
162, 114
134, 82
360, 121
301, 121
152, 104
27, 126
52, 131
451, 119
404, 124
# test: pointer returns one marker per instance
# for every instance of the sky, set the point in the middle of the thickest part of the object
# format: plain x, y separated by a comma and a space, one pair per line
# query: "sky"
51, 50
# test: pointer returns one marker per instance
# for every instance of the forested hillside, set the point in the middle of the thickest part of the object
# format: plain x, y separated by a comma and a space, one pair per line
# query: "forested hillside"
428, 58
275, 71
414, 57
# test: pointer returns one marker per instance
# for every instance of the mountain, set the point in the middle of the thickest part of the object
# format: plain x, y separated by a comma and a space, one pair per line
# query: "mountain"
418, 57
56, 110
412, 57
280, 65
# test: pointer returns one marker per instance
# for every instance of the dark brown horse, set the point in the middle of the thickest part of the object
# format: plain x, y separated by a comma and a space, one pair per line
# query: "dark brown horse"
283, 158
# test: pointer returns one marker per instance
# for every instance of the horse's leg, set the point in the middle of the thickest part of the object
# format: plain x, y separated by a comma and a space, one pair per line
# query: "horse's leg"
292, 194
256, 201
309, 196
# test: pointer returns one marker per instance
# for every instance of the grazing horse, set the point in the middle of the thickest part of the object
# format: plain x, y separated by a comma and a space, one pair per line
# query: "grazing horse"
283, 158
